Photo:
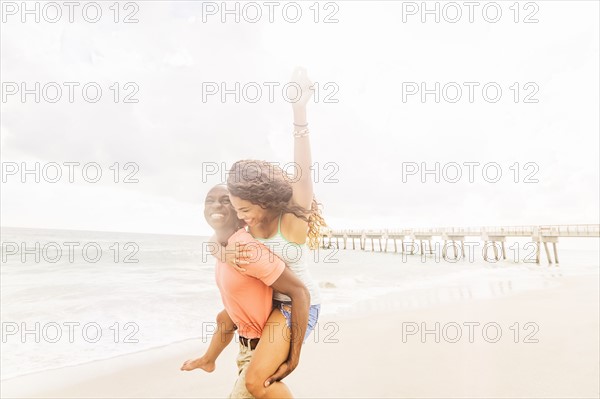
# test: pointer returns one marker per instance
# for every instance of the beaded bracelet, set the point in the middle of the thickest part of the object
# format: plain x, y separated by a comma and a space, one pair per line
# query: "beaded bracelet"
301, 133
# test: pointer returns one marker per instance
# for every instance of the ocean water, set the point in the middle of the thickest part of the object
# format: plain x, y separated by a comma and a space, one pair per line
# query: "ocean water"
95, 295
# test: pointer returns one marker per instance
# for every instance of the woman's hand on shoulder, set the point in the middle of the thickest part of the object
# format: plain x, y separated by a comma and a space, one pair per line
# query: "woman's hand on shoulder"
236, 256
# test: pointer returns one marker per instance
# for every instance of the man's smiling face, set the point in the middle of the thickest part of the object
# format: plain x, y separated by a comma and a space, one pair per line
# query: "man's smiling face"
218, 211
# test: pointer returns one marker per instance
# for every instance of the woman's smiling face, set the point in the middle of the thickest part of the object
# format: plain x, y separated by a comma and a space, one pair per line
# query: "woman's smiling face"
218, 211
250, 213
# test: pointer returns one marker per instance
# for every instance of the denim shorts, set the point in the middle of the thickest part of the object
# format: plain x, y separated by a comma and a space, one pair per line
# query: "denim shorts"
313, 316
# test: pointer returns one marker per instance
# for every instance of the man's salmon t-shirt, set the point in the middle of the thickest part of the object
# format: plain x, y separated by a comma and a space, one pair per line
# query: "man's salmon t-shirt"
248, 297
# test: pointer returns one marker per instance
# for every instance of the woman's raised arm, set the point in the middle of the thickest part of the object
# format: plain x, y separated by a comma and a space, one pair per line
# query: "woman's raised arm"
302, 184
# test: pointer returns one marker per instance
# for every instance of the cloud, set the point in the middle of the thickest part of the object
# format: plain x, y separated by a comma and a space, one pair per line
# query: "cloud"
170, 133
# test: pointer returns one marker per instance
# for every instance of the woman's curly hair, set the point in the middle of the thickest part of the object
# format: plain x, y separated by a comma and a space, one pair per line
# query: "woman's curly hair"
268, 186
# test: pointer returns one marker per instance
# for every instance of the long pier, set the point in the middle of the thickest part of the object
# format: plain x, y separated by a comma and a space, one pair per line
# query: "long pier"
454, 238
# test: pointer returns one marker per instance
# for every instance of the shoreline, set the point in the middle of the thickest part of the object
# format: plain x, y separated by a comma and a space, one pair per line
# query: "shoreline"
402, 300
370, 354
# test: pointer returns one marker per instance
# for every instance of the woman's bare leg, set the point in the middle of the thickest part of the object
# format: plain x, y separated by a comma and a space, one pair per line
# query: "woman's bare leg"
271, 352
220, 339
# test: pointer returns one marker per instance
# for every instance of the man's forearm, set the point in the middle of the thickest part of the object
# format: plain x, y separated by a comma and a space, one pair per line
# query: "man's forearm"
300, 309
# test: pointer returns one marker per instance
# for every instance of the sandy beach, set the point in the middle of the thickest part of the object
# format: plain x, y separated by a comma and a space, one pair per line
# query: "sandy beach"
382, 355
428, 172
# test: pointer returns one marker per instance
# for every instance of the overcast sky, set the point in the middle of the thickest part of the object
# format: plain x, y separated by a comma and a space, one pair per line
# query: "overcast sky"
371, 58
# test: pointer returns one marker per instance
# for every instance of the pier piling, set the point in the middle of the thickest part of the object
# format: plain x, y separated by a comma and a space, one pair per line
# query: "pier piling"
413, 240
